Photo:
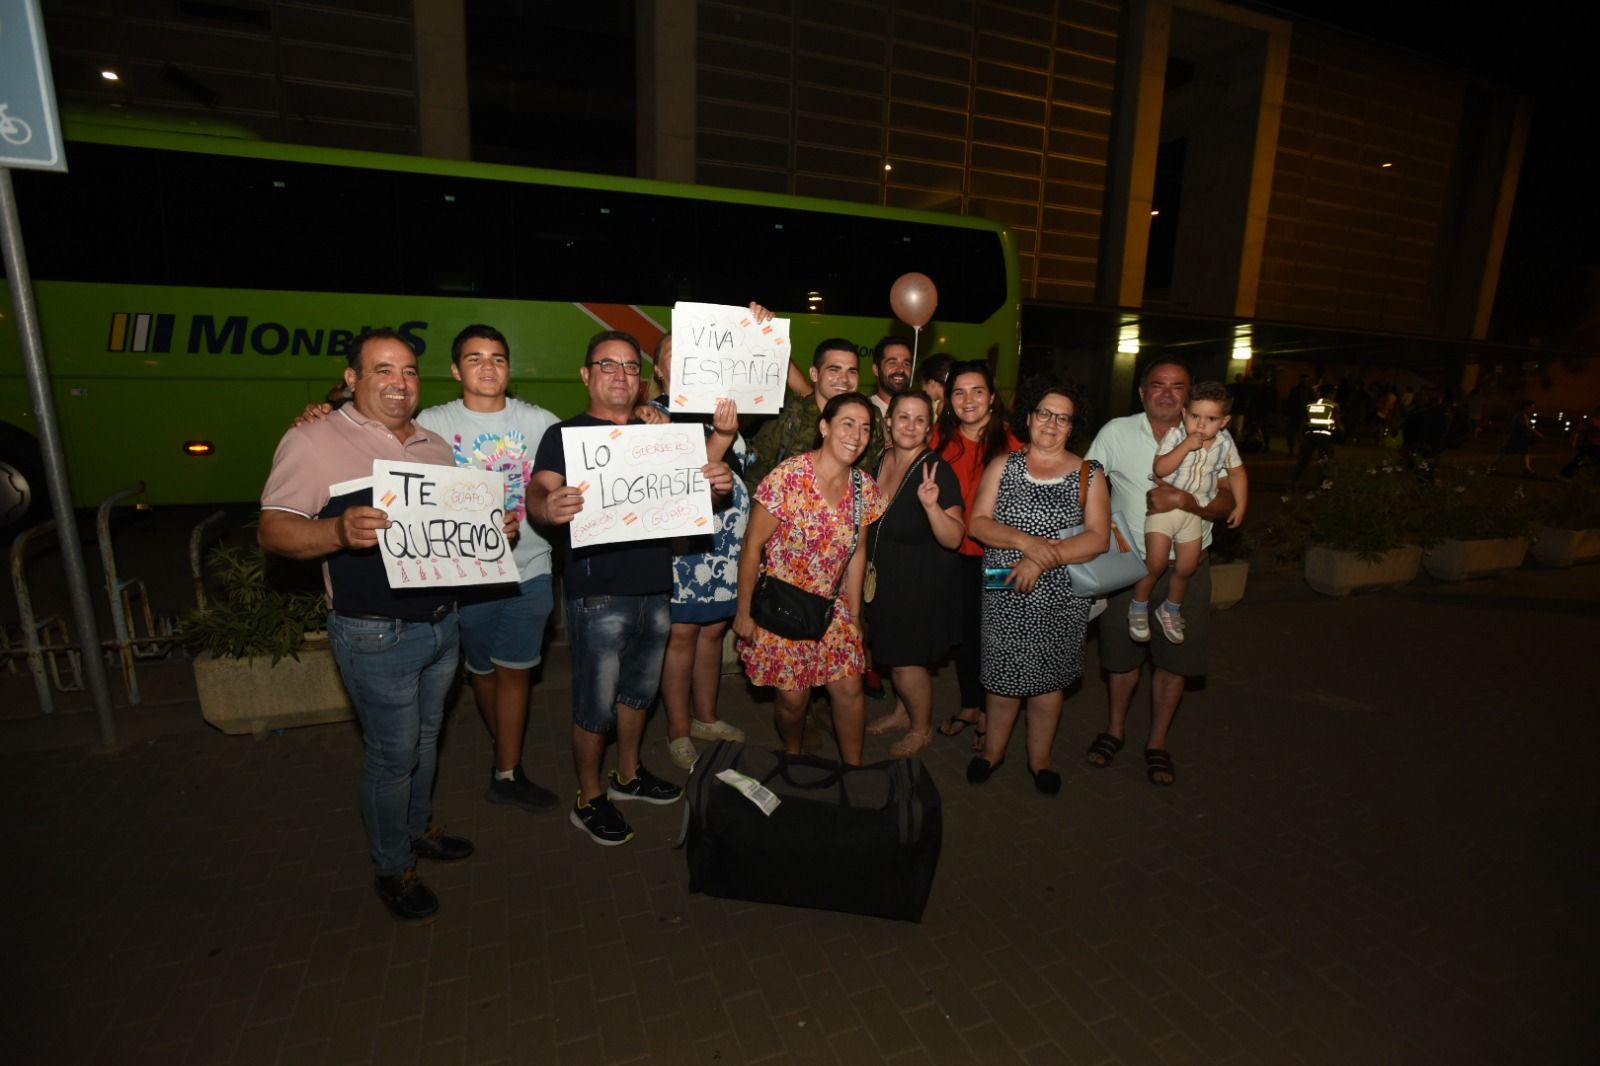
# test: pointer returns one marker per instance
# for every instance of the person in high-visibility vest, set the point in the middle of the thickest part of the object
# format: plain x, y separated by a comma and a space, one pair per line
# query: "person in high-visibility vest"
1321, 423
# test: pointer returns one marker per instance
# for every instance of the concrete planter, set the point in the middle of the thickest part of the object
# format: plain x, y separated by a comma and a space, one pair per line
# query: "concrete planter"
1457, 560
1564, 547
1339, 573
1227, 583
256, 695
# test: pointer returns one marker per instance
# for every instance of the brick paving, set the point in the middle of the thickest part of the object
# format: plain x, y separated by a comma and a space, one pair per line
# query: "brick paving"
1376, 851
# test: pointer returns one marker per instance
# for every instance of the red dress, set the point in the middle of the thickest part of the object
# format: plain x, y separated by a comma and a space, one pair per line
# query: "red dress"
810, 548
966, 459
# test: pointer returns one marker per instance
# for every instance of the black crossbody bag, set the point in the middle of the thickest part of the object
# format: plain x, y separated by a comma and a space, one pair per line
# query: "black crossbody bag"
789, 610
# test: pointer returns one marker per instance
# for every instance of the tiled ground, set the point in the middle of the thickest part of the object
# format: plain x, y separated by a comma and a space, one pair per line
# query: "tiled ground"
1378, 851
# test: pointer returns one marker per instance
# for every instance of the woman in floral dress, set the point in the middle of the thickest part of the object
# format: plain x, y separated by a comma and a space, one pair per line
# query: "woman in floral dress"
803, 530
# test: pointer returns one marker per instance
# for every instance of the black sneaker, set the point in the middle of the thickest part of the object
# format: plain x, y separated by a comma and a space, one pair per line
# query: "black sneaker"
436, 846
645, 786
520, 792
601, 820
407, 898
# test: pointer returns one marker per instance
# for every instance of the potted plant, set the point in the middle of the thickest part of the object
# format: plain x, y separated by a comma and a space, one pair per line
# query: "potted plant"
1230, 565
1571, 531
265, 662
1472, 525
1355, 530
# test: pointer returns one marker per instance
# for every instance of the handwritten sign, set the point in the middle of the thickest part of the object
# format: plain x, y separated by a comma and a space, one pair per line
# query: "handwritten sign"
638, 482
720, 351
446, 525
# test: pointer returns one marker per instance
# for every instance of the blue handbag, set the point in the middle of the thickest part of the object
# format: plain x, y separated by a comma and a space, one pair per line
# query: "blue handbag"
1118, 566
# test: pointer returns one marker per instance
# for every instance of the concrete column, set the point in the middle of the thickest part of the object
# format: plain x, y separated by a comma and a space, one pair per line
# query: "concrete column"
665, 84
444, 128
1235, 107
1135, 140
1491, 139
1269, 117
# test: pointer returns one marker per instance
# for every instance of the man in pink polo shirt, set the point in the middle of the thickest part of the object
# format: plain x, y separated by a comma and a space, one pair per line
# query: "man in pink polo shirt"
396, 649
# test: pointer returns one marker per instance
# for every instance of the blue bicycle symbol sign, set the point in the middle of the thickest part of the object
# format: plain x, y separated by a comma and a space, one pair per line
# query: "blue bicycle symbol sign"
14, 130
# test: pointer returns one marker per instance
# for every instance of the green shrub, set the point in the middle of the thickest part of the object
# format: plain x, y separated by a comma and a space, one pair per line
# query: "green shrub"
252, 617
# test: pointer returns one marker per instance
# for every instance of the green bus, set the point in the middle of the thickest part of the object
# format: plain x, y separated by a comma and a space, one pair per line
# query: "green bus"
196, 289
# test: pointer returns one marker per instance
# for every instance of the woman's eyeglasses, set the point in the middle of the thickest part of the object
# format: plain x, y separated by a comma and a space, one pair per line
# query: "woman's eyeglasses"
1060, 418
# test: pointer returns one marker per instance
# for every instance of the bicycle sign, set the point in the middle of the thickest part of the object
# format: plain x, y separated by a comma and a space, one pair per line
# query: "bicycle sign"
13, 130
30, 132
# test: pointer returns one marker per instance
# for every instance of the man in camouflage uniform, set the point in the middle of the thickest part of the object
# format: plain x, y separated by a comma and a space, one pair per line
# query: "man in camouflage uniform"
835, 369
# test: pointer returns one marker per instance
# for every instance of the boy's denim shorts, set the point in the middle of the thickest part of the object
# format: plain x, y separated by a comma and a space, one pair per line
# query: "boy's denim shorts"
507, 631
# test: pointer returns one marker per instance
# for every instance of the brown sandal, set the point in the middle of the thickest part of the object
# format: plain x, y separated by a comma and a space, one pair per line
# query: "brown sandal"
906, 746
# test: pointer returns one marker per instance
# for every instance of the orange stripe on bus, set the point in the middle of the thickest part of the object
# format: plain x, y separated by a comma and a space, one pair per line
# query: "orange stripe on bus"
119, 331
628, 319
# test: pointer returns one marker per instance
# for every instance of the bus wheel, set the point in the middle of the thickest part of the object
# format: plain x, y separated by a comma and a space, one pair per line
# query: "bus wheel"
24, 497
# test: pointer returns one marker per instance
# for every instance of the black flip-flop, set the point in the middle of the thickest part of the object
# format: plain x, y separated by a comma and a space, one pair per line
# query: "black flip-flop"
959, 722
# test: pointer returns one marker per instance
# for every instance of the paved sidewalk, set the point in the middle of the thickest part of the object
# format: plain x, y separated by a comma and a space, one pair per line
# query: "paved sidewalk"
1377, 851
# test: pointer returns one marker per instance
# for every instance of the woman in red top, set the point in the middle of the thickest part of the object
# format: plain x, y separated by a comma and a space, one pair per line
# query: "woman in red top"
973, 429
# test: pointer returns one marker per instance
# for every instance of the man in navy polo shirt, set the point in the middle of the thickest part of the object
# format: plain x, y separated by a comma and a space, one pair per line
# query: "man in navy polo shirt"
396, 650
618, 613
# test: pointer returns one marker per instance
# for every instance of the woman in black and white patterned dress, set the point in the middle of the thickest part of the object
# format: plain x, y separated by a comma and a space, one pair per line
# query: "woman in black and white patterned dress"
1033, 628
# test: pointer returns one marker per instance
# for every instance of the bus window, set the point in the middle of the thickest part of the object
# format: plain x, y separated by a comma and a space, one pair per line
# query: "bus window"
454, 236
244, 223
99, 222
574, 244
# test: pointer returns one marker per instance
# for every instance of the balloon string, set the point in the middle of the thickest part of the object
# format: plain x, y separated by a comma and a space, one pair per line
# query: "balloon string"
916, 337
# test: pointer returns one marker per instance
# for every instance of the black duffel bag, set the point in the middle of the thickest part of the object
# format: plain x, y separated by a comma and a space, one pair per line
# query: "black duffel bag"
863, 840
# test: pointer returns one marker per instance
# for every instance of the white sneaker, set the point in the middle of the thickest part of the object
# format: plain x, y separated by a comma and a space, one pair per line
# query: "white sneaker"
1139, 625
683, 753
1171, 624
718, 730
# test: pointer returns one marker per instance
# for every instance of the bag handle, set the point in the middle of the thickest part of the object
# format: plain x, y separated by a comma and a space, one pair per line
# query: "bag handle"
873, 558
1091, 465
834, 777
857, 505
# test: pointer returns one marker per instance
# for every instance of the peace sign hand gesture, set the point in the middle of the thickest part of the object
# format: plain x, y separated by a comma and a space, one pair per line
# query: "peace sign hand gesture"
928, 491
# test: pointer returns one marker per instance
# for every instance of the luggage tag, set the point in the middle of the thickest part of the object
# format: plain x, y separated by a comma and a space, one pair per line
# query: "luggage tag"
754, 791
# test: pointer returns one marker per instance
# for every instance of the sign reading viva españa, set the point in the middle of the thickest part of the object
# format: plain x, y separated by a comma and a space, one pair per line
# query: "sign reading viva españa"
446, 525
638, 482
723, 352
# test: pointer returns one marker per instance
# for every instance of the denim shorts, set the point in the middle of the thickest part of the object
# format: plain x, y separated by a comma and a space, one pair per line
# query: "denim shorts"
507, 631
618, 643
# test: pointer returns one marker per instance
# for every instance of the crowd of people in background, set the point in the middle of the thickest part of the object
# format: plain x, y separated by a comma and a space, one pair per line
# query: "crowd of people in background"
1419, 422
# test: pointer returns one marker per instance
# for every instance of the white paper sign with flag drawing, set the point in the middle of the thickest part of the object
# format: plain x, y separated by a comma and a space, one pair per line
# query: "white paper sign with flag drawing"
446, 525
638, 482
722, 351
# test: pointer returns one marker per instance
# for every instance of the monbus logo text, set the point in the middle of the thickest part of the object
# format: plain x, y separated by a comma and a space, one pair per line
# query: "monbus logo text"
137, 331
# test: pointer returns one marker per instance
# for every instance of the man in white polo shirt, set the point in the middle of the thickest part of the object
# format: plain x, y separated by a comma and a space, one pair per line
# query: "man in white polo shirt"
1126, 447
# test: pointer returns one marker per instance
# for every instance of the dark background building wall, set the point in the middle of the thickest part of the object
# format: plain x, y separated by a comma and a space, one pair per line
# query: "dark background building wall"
1351, 242
1000, 110
334, 72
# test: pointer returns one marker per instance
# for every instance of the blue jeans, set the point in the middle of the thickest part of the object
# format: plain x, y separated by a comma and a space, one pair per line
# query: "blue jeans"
397, 674
618, 643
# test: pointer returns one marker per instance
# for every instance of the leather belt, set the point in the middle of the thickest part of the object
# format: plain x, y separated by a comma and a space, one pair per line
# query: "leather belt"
440, 613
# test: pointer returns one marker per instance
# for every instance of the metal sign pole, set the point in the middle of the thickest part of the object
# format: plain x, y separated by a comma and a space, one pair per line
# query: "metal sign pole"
94, 667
